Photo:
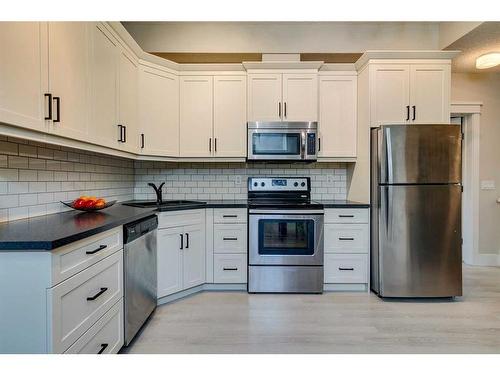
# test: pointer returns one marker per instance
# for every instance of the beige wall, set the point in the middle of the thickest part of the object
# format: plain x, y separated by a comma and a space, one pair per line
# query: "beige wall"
485, 88
283, 37
451, 31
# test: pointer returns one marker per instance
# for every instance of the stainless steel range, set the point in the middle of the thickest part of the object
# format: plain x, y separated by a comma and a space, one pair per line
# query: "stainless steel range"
285, 236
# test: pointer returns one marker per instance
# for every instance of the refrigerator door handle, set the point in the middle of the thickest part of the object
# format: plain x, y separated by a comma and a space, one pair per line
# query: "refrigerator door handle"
388, 150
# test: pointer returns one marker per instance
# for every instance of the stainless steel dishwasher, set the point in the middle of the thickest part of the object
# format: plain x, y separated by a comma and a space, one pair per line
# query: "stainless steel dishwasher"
140, 273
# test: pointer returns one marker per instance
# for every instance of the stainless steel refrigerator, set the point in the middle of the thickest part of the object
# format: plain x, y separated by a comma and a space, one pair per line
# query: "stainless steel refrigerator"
416, 194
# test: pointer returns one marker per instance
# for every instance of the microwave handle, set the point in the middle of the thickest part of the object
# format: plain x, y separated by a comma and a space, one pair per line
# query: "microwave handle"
303, 145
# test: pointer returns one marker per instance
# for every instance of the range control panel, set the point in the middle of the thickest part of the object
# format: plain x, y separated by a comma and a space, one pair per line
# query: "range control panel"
278, 184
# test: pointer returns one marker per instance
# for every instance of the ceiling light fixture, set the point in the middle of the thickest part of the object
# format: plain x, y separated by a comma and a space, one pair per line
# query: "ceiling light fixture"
488, 60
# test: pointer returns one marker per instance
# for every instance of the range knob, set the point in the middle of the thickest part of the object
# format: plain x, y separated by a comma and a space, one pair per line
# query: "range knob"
295, 184
262, 184
255, 184
303, 184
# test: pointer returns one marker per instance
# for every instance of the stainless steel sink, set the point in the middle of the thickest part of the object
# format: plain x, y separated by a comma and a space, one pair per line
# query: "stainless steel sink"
146, 204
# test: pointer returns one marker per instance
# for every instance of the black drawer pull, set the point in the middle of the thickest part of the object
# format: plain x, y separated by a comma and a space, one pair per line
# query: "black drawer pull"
230, 239
346, 269
102, 247
230, 269
103, 348
229, 215
97, 295
187, 240
346, 239
346, 215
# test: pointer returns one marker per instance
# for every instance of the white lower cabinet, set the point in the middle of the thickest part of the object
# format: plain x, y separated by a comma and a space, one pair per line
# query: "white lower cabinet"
181, 251
346, 268
230, 268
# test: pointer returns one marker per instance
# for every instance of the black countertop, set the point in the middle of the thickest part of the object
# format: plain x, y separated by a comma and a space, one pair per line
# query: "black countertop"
52, 231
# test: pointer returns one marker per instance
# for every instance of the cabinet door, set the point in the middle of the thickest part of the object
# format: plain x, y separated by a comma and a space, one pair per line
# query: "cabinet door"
169, 261
337, 116
104, 98
128, 100
23, 74
193, 256
389, 94
230, 116
159, 112
264, 97
196, 111
430, 86
300, 97
69, 77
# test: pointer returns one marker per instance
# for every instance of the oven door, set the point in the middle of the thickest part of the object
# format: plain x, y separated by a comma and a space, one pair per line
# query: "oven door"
286, 238
276, 144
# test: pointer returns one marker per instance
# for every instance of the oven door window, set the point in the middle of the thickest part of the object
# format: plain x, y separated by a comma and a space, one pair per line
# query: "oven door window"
286, 237
276, 143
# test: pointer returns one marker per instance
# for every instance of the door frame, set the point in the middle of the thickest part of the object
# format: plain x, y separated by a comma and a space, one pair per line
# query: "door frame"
471, 114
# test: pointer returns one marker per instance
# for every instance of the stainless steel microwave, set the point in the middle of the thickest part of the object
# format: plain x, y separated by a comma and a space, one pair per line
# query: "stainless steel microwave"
281, 141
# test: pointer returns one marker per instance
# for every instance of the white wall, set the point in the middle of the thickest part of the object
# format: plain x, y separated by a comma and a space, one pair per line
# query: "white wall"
485, 88
283, 37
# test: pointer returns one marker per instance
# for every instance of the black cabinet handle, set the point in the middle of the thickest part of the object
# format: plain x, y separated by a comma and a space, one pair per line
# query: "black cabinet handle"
319, 144
58, 108
346, 239
103, 348
346, 269
182, 241
407, 112
215, 144
230, 269
120, 129
279, 109
346, 215
230, 239
49, 96
124, 134
102, 247
229, 216
187, 240
142, 140
209, 144
285, 109
414, 112
97, 295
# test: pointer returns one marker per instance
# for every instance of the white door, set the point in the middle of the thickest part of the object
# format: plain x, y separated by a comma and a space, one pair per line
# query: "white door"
159, 112
193, 256
300, 97
389, 94
337, 116
23, 74
430, 93
169, 261
104, 56
230, 116
69, 78
264, 97
128, 101
196, 111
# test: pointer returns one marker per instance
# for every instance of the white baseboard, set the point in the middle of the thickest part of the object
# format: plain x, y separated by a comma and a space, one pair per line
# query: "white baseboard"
489, 260
201, 288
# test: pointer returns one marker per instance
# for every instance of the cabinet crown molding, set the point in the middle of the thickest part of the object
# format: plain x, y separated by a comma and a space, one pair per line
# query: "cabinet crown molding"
403, 55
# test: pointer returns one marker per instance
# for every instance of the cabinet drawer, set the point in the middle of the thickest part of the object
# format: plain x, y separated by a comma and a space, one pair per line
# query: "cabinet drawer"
180, 218
78, 302
346, 215
230, 215
346, 238
346, 268
104, 337
230, 268
230, 238
73, 258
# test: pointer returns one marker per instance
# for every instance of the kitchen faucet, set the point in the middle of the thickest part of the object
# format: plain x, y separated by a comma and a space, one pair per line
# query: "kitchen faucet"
158, 192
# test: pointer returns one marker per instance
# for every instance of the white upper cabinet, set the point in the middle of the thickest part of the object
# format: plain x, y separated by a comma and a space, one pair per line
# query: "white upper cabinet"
158, 112
337, 116
430, 86
264, 97
416, 93
300, 97
23, 74
196, 116
389, 93
128, 117
104, 93
282, 97
69, 78
230, 107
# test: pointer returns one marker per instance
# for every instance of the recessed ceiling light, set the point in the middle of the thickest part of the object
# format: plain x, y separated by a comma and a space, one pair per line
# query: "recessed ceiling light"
488, 60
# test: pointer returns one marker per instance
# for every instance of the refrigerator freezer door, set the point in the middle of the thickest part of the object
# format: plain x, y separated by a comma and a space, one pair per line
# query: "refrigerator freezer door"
420, 154
420, 241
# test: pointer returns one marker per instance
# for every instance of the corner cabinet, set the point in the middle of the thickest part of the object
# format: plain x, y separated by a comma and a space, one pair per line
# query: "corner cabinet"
337, 116
402, 93
282, 97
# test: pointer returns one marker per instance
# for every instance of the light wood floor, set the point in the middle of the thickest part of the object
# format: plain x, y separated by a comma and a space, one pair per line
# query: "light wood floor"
237, 322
